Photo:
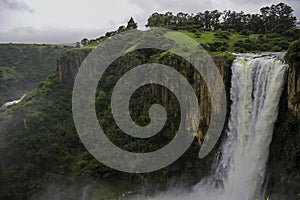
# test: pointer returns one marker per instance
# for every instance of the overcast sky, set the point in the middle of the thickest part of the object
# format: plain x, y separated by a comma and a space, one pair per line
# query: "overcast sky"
68, 21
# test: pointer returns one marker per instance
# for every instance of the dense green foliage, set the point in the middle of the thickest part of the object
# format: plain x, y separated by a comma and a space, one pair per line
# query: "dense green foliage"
222, 41
293, 54
277, 18
44, 149
23, 66
39, 144
131, 24
284, 169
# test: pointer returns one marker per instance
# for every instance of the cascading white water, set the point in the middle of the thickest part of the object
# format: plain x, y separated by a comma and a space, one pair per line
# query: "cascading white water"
257, 84
10, 103
85, 192
239, 172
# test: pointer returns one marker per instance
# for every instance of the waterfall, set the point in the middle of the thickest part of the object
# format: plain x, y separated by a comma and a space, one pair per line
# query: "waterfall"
256, 86
240, 167
86, 191
10, 103
239, 172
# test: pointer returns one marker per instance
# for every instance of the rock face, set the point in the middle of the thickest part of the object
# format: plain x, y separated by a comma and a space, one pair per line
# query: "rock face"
284, 173
284, 150
69, 63
293, 87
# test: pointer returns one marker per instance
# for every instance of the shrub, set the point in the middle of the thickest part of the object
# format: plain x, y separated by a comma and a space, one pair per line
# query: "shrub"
193, 30
292, 34
218, 46
296, 98
283, 44
293, 53
197, 35
245, 32
273, 35
276, 48
265, 47
205, 46
222, 35
262, 39
247, 45
239, 50
280, 28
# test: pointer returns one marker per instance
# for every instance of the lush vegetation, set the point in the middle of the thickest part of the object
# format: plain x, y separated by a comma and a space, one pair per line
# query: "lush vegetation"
22, 66
39, 145
277, 18
293, 54
225, 41
131, 24
271, 30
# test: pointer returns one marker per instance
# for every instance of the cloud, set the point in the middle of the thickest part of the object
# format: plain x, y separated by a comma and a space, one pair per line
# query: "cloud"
194, 6
173, 5
18, 5
50, 35
74, 20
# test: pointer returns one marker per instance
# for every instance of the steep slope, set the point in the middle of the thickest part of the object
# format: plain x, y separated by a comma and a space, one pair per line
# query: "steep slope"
284, 160
47, 148
40, 147
22, 66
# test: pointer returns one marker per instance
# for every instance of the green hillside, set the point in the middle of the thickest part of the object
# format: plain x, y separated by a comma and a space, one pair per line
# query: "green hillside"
22, 66
40, 150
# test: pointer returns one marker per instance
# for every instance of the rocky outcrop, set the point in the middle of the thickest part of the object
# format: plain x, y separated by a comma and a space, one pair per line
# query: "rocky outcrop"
293, 88
284, 174
69, 63
284, 151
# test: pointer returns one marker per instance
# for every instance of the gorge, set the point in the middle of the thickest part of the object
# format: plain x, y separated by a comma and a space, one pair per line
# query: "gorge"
253, 83
241, 164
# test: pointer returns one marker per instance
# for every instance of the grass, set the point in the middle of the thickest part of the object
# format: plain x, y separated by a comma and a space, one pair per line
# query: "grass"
22, 66
207, 37
8, 73
24, 45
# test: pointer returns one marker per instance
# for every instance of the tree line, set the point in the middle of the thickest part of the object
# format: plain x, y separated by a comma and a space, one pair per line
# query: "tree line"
131, 24
276, 18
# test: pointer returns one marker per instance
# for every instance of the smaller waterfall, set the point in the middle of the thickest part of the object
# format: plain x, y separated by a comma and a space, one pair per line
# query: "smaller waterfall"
10, 103
85, 192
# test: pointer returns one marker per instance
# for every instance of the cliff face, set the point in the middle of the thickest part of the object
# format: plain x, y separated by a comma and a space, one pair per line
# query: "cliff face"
284, 165
69, 63
293, 88
284, 150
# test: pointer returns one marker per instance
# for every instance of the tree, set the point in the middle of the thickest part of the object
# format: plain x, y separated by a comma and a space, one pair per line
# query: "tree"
293, 54
121, 29
278, 18
77, 45
85, 42
215, 19
153, 20
131, 24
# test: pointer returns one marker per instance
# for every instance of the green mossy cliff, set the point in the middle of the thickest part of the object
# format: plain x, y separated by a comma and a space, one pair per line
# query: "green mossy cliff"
284, 176
40, 130
284, 161
69, 63
293, 88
